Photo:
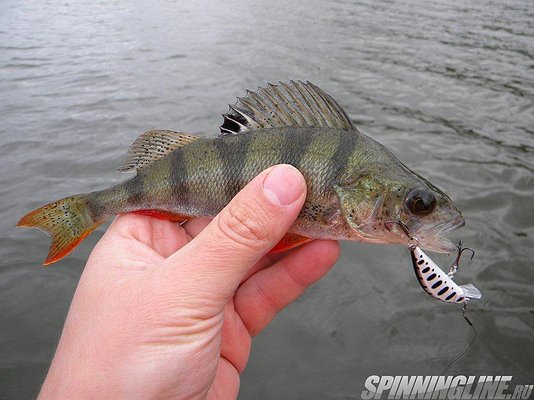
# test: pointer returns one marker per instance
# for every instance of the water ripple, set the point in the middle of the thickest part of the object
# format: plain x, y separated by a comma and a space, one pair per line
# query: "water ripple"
447, 86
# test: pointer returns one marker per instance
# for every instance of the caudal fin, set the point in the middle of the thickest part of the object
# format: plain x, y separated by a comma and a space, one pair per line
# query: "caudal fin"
67, 221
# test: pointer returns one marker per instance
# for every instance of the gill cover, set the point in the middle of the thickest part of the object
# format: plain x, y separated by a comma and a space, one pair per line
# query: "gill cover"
361, 201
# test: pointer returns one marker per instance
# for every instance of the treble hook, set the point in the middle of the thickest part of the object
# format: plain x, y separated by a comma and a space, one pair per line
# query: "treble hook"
454, 267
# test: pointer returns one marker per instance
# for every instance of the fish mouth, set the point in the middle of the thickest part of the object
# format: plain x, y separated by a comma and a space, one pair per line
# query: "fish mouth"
434, 237
449, 226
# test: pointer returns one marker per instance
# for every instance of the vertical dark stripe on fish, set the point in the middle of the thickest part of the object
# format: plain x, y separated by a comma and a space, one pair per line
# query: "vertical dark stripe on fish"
233, 153
295, 146
178, 175
95, 206
345, 148
134, 190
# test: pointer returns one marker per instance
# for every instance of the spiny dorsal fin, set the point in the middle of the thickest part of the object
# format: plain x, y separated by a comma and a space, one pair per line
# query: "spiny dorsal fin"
293, 104
153, 145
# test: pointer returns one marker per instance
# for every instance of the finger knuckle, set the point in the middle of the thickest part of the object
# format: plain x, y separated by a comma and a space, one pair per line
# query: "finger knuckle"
245, 225
296, 280
266, 301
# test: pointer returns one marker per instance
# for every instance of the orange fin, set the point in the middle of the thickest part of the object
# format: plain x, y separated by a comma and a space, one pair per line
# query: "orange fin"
290, 241
163, 215
67, 221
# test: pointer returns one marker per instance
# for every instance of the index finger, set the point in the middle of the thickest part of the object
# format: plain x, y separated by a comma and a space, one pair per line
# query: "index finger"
265, 293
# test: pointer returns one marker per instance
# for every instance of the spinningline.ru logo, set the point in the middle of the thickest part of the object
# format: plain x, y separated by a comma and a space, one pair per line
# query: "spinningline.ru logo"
443, 387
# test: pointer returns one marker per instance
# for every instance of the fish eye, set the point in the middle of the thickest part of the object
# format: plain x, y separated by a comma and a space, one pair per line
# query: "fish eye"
420, 201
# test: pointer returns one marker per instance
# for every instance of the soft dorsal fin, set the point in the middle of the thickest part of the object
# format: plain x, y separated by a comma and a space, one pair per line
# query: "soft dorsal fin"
151, 146
293, 104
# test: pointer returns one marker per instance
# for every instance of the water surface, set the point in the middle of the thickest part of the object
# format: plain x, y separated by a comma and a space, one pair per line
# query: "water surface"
448, 86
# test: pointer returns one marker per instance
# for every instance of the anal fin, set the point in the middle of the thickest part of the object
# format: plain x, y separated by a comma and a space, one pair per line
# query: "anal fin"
290, 241
163, 215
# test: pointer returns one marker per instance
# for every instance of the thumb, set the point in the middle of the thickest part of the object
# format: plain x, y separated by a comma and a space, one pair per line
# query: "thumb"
246, 229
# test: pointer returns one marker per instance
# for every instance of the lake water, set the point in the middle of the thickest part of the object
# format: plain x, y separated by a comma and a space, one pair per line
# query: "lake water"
448, 86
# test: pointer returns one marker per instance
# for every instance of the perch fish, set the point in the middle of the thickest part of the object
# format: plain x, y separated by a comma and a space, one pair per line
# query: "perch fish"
354, 184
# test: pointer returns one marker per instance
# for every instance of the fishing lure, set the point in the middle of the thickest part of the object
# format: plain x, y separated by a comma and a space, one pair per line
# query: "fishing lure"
439, 284
433, 279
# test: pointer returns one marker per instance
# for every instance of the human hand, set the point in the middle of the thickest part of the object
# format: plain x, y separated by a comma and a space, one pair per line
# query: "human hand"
169, 311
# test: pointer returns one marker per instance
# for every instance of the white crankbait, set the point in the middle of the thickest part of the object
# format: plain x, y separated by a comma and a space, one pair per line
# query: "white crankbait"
437, 283
433, 279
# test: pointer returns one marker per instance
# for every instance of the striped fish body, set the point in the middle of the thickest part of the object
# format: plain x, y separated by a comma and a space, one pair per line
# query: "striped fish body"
201, 178
355, 185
